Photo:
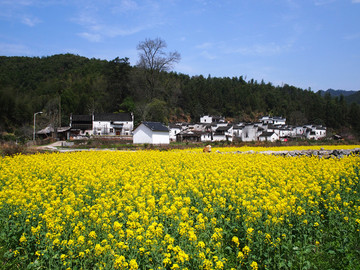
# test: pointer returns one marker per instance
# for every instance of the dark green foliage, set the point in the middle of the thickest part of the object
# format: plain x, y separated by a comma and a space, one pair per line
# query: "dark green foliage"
63, 84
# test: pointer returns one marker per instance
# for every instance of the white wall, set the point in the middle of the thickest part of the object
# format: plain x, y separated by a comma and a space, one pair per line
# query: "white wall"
142, 135
249, 134
173, 132
206, 119
101, 127
160, 137
105, 127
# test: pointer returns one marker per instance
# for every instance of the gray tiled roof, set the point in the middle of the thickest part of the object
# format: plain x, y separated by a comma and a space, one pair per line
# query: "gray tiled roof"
113, 117
156, 126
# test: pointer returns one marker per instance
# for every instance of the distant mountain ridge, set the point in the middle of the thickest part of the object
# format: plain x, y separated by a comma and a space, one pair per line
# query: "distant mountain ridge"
350, 96
337, 93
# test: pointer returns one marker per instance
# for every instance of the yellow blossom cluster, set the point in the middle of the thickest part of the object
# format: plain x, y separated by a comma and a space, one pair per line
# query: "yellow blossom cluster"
170, 209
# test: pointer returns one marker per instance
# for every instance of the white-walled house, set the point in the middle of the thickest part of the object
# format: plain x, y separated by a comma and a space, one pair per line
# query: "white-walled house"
315, 132
81, 125
173, 131
249, 133
237, 131
152, 133
300, 131
207, 119
223, 133
113, 124
275, 120
268, 136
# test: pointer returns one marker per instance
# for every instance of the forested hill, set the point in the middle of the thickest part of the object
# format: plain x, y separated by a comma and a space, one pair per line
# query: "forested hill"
350, 96
63, 84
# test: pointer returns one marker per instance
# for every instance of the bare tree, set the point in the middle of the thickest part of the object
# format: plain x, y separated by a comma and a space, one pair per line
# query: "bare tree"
153, 59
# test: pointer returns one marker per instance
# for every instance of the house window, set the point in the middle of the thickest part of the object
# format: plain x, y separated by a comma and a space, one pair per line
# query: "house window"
111, 130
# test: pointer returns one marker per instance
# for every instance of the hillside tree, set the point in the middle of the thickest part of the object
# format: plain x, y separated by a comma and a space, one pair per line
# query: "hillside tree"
153, 59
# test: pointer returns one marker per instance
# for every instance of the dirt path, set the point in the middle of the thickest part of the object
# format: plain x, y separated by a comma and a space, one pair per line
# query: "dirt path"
52, 146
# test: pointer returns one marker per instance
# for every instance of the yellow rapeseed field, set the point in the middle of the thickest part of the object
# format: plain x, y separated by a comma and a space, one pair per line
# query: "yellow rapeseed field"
179, 210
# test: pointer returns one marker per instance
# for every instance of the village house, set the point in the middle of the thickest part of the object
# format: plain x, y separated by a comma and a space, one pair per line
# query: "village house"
273, 120
207, 119
174, 129
249, 132
267, 129
223, 133
190, 135
81, 125
62, 133
152, 133
268, 136
237, 131
106, 124
113, 124
315, 132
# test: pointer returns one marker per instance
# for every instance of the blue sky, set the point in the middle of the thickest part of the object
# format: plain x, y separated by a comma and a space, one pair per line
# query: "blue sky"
305, 43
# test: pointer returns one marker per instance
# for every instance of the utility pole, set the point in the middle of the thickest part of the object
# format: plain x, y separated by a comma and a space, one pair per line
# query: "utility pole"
35, 124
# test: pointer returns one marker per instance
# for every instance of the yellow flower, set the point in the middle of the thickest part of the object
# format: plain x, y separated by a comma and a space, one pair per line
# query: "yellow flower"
235, 239
117, 226
207, 264
219, 265
120, 263
268, 237
240, 256
98, 250
144, 200
166, 261
81, 240
56, 241
254, 265
133, 264
175, 266
23, 238
92, 234
246, 250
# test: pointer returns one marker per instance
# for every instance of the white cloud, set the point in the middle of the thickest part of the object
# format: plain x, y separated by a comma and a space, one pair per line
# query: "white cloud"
98, 23
322, 2
115, 31
14, 49
205, 45
208, 55
125, 6
30, 21
96, 31
93, 37
17, 3
258, 49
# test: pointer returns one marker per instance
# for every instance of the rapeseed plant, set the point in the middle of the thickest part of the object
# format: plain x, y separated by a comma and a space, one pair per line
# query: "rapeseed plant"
179, 209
